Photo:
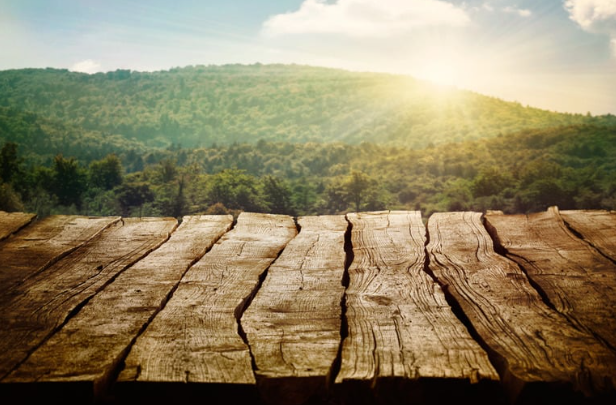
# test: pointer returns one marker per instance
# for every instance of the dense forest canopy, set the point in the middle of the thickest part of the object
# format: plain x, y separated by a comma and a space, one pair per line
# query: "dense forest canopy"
287, 139
200, 106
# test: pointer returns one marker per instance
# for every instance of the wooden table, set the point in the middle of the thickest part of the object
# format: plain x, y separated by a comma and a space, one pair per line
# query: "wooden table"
374, 308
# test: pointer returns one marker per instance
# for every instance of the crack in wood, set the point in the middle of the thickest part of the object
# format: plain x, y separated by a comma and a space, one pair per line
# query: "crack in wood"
541, 349
245, 304
547, 247
403, 335
214, 349
344, 326
61, 255
496, 359
12, 223
103, 385
500, 249
597, 248
393, 326
78, 307
239, 312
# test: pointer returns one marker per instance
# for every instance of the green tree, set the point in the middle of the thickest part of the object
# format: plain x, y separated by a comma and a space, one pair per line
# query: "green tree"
69, 181
235, 190
106, 173
180, 205
490, 181
540, 170
278, 196
39, 198
542, 194
168, 170
132, 195
336, 198
171, 199
358, 186
304, 196
9, 162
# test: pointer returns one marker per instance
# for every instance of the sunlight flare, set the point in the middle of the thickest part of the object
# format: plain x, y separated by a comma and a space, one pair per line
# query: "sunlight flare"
441, 73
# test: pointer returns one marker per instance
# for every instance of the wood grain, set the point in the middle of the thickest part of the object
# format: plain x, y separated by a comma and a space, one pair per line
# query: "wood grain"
44, 242
90, 347
195, 337
43, 302
577, 280
530, 342
293, 323
399, 323
596, 227
11, 222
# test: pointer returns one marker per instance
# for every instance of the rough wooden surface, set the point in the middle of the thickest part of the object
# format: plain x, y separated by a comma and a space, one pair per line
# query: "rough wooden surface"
92, 345
293, 323
529, 342
42, 302
11, 222
195, 337
113, 311
399, 323
596, 227
577, 280
44, 242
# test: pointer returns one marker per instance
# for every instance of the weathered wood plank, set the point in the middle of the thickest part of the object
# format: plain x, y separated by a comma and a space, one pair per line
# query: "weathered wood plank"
41, 303
44, 242
90, 347
596, 227
577, 280
399, 323
293, 323
530, 342
11, 222
195, 337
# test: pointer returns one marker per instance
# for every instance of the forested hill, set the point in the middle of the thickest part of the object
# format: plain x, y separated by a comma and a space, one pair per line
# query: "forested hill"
573, 167
40, 139
60, 111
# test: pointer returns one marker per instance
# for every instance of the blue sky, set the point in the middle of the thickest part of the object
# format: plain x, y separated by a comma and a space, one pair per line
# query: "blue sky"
553, 54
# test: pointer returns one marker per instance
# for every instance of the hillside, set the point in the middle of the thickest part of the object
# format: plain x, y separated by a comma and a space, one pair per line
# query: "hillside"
573, 167
201, 106
42, 138
287, 139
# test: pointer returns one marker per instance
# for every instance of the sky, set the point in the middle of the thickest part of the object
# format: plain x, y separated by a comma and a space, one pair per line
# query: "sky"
558, 55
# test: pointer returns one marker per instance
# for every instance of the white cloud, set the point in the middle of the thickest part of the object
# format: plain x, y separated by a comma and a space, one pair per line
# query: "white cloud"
366, 18
490, 8
596, 16
86, 66
592, 14
522, 12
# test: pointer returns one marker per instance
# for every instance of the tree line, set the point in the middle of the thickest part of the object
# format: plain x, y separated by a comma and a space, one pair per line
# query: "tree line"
573, 167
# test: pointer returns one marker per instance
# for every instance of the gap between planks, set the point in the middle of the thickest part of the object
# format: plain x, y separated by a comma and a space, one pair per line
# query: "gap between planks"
98, 339
535, 349
293, 325
402, 333
45, 302
208, 349
349, 262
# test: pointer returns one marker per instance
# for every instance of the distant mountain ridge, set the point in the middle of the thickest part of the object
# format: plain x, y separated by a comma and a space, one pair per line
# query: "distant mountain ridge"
204, 105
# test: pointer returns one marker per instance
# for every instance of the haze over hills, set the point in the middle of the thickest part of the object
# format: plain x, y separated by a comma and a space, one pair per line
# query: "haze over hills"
50, 110
287, 139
